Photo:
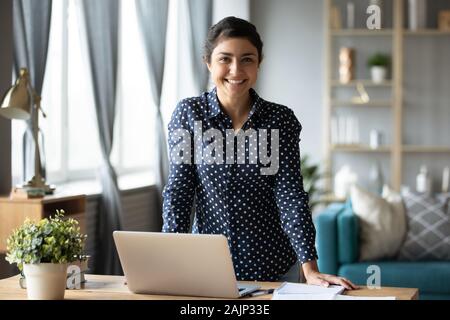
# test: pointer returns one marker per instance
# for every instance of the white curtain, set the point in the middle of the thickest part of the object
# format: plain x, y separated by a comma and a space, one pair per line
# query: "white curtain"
102, 23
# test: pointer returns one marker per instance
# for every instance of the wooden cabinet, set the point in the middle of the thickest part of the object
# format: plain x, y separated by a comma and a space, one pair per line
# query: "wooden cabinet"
14, 212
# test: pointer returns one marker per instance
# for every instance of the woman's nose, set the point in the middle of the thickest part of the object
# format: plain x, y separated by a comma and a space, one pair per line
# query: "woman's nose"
234, 67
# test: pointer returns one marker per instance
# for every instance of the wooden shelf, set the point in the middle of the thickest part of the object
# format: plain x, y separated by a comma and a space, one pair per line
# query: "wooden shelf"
365, 82
426, 32
373, 103
425, 149
359, 148
361, 32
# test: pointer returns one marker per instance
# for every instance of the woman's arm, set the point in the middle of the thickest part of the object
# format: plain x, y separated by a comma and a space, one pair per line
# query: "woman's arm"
291, 198
293, 202
180, 189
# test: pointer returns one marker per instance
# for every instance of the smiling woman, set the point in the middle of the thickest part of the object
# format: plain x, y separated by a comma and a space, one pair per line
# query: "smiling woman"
265, 217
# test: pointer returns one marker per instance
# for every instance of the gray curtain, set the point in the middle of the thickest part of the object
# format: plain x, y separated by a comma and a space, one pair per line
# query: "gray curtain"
152, 17
102, 21
31, 28
200, 16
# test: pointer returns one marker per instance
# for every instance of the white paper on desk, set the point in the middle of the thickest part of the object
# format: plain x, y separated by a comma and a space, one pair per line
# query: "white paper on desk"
300, 291
289, 287
345, 297
303, 296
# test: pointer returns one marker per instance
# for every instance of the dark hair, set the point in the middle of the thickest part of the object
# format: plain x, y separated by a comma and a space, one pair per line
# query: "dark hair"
231, 27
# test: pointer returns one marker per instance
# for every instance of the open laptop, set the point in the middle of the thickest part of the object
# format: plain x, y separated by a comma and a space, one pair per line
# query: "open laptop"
179, 264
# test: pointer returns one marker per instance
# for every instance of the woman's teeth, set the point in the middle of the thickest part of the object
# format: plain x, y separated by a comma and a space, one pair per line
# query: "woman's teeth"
235, 81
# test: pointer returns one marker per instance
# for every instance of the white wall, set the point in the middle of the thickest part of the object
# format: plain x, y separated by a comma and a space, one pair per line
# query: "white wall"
292, 72
237, 8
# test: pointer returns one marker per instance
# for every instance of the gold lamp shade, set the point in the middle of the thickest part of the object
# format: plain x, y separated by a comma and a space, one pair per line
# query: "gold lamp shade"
16, 104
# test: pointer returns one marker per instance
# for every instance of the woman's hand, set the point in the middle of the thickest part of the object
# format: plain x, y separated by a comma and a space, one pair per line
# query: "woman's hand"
313, 276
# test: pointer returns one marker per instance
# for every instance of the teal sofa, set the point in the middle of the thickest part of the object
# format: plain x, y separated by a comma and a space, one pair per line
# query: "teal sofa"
337, 246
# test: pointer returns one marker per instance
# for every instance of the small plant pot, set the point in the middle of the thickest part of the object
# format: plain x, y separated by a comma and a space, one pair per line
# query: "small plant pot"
46, 281
378, 74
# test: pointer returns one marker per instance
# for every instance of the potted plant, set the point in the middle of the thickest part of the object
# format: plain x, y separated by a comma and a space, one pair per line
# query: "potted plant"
43, 250
378, 64
311, 177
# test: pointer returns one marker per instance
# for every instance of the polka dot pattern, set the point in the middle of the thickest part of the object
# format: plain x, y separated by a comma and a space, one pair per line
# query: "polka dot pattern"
266, 218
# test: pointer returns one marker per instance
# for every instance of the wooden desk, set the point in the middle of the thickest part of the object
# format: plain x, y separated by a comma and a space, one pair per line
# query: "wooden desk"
100, 287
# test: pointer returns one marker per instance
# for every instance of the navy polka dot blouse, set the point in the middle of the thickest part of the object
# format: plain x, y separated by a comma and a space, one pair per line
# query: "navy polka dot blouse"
265, 217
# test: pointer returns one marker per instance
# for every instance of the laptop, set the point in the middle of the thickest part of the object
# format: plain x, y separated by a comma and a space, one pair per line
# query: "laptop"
179, 264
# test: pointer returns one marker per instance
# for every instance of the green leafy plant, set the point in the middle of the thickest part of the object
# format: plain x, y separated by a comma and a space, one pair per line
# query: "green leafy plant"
52, 240
379, 59
311, 177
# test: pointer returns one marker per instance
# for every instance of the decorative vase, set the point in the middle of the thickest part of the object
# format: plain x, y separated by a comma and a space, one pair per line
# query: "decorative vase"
346, 61
417, 14
423, 181
344, 179
376, 179
350, 15
45, 281
378, 74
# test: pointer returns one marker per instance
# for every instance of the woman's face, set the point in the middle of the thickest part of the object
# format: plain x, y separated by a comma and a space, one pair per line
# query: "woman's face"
234, 67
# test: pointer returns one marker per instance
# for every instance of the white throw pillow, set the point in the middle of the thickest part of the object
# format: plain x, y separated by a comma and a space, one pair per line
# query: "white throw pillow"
382, 222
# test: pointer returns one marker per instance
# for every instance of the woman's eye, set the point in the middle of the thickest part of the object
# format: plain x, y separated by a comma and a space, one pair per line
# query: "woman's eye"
224, 59
247, 60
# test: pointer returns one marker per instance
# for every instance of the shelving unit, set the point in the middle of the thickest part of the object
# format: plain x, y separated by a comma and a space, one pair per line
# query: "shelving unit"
359, 148
426, 32
390, 99
364, 82
373, 103
361, 32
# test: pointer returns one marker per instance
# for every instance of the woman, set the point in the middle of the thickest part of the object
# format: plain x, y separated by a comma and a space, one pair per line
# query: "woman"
259, 205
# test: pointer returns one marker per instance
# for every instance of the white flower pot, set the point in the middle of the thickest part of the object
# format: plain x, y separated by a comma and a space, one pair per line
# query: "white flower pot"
45, 281
378, 74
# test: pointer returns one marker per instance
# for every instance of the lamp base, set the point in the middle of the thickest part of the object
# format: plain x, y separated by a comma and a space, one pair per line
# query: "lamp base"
26, 193
46, 189
35, 188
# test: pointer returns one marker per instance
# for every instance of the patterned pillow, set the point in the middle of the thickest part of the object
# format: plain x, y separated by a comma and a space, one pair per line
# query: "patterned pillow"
428, 236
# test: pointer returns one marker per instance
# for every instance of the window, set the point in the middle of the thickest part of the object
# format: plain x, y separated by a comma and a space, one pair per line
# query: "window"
72, 145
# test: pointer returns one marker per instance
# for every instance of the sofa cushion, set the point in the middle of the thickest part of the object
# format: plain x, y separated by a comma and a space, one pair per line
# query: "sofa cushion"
428, 236
382, 223
428, 277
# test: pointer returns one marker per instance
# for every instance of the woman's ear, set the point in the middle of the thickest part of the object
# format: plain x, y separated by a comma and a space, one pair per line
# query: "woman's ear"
207, 63
260, 61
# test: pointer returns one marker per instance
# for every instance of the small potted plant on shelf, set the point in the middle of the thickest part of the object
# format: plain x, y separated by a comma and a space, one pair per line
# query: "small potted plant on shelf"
378, 64
43, 250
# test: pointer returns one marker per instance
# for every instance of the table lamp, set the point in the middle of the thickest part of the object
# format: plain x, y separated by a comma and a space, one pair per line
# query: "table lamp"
22, 102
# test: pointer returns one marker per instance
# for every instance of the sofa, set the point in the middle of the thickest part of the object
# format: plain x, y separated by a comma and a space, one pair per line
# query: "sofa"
337, 245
